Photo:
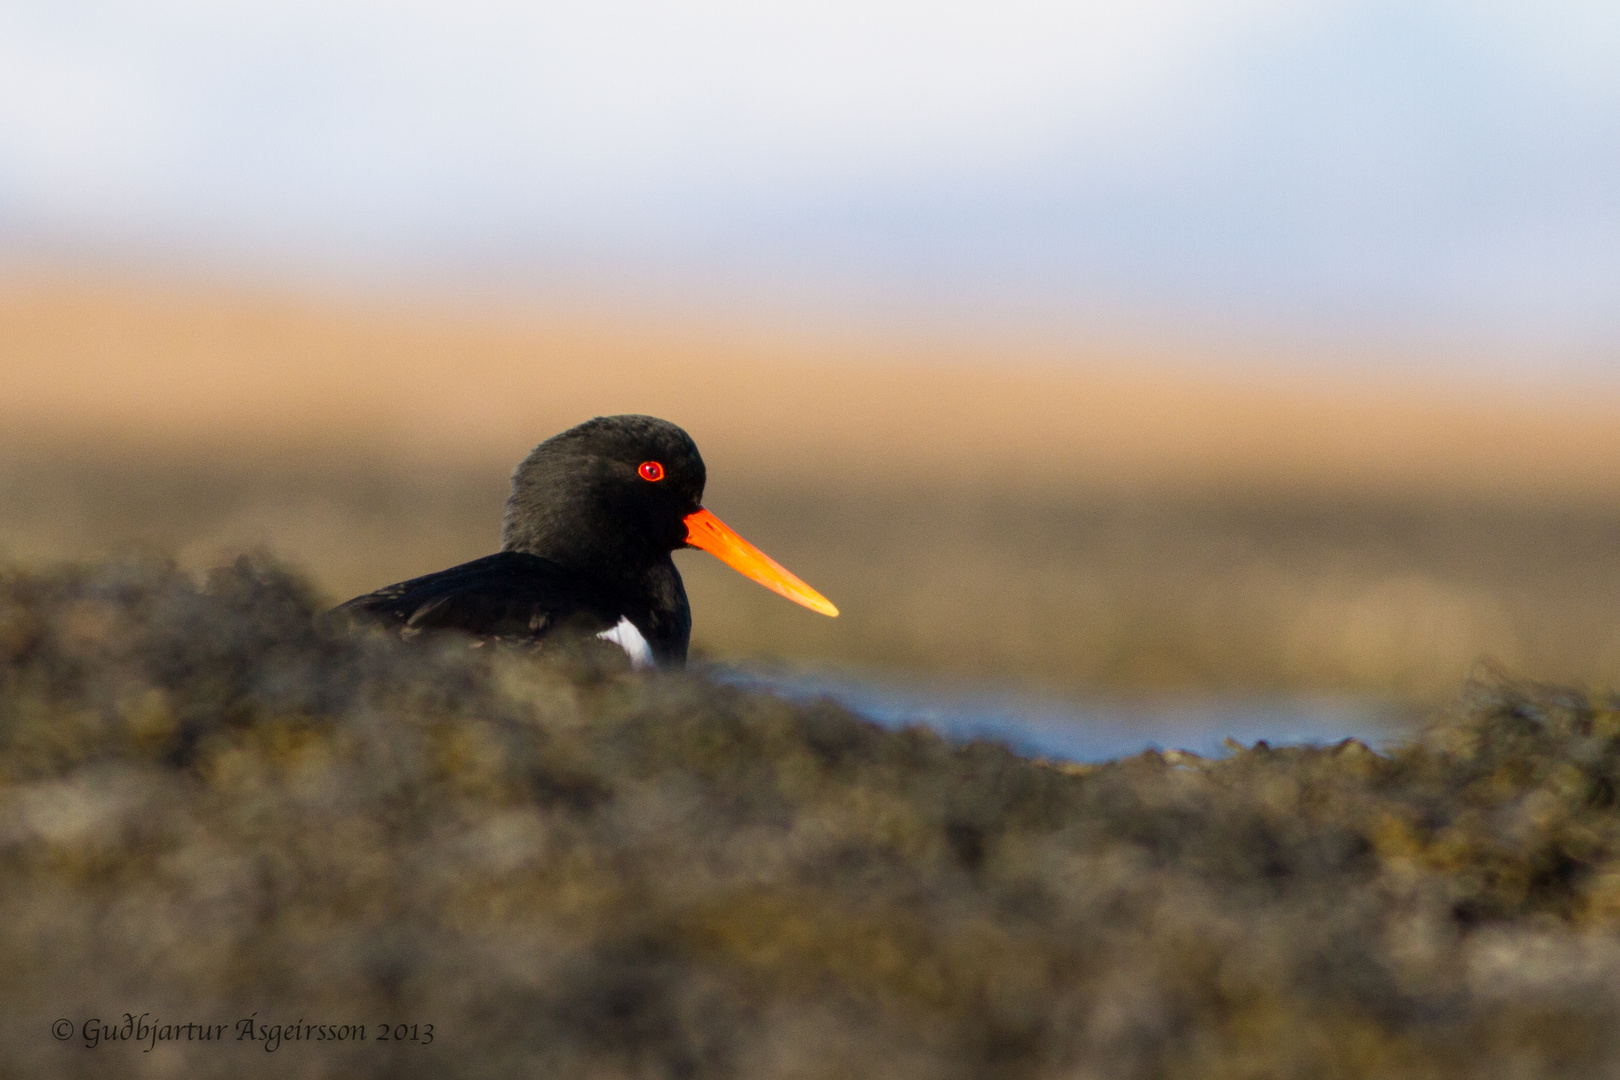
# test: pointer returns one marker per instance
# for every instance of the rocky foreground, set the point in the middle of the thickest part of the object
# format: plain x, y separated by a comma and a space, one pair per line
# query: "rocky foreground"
231, 844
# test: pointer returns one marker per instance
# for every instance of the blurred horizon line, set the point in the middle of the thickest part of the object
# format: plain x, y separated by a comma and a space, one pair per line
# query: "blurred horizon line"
737, 304
152, 363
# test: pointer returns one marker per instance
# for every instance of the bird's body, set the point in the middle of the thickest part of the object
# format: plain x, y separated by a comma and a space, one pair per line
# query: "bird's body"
513, 596
593, 518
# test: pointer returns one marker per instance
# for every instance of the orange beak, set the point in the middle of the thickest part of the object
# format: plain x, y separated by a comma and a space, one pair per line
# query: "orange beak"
704, 530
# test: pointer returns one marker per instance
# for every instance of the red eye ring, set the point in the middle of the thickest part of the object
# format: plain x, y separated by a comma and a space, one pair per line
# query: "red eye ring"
651, 470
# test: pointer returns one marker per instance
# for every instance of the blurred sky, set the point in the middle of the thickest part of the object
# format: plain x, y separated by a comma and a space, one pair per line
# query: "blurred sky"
1424, 165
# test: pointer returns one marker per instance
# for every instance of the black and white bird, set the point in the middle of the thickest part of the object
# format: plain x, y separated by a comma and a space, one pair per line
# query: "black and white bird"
593, 518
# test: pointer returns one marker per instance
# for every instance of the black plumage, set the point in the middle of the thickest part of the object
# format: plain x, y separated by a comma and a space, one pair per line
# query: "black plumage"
585, 544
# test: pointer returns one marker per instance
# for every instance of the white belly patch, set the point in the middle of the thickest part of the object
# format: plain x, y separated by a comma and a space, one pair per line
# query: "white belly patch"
627, 637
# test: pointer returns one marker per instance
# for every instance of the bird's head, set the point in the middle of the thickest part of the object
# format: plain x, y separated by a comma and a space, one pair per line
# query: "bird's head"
622, 492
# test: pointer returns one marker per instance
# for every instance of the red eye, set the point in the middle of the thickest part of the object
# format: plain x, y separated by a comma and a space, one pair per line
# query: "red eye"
651, 470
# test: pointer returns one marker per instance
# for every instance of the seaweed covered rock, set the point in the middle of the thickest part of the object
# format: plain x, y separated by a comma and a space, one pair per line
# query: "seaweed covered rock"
216, 819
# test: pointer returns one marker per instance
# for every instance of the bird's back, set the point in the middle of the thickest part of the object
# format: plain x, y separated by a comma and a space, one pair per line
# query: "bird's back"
509, 596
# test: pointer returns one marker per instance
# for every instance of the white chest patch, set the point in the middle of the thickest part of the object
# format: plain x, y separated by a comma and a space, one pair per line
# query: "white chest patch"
627, 637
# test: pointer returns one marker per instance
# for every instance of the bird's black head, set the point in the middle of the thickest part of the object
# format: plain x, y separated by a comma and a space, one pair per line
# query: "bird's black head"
613, 497
609, 495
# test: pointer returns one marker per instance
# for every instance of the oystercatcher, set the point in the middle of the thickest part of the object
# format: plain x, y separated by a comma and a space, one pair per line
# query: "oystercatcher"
594, 515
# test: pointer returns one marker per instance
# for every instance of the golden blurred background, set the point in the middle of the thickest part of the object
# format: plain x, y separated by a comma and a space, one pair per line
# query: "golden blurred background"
1100, 517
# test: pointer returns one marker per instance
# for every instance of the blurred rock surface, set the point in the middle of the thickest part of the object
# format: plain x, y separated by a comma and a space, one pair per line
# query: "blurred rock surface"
210, 811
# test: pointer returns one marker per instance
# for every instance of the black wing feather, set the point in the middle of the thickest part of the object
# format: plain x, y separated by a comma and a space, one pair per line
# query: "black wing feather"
510, 595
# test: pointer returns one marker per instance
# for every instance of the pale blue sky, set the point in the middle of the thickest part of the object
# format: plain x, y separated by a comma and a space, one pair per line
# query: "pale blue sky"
1444, 167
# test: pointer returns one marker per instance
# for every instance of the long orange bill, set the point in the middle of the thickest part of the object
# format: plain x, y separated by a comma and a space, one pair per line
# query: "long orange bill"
704, 530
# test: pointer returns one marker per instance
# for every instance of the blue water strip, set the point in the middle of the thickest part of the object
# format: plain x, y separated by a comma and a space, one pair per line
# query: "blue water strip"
1092, 730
